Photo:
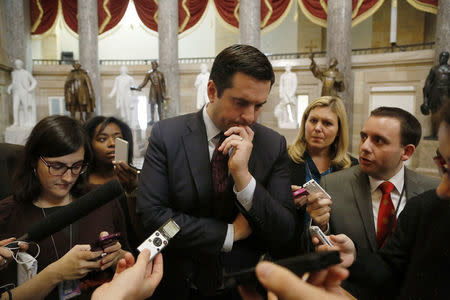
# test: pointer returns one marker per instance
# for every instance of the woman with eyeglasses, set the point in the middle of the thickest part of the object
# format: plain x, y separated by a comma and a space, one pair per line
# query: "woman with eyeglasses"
50, 176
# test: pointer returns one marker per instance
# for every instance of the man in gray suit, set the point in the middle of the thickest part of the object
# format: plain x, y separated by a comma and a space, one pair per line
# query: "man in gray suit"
388, 139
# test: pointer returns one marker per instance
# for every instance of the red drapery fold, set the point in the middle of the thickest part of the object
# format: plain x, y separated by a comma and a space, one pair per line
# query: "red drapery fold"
316, 10
189, 13
43, 14
425, 5
271, 11
110, 12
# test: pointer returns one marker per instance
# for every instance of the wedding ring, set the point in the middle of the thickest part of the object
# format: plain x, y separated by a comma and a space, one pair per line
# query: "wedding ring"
4, 261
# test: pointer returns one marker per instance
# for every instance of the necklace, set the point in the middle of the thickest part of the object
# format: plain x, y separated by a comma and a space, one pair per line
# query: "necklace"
53, 240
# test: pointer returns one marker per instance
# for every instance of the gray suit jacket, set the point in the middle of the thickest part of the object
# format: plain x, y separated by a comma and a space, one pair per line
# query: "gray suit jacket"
351, 211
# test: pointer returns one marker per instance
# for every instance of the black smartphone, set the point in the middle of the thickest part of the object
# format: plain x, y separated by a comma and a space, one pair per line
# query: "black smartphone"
105, 241
299, 265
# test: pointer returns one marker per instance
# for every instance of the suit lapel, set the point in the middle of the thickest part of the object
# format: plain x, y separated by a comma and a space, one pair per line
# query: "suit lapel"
197, 153
362, 196
412, 185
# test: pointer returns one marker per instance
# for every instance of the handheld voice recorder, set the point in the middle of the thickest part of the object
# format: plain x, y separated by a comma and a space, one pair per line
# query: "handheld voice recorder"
313, 187
160, 238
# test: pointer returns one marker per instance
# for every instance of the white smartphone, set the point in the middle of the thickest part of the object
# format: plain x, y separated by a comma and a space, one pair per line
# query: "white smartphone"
317, 232
121, 150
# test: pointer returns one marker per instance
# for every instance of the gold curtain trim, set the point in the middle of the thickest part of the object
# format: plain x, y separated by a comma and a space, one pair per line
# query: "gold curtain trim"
39, 19
358, 6
155, 16
324, 6
280, 19
367, 13
311, 17
201, 20
223, 22
236, 15
268, 15
186, 19
52, 28
423, 6
107, 19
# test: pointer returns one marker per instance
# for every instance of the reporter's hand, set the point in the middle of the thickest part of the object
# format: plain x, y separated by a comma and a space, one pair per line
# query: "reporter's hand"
319, 206
128, 176
343, 244
76, 263
283, 284
133, 281
242, 229
113, 254
299, 201
241, 139
6, 255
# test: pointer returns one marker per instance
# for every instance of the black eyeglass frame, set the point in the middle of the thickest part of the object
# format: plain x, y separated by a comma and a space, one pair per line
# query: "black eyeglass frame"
83, 168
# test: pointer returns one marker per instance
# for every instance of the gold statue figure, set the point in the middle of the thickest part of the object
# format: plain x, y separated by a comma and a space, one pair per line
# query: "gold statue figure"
78, 92
332, 79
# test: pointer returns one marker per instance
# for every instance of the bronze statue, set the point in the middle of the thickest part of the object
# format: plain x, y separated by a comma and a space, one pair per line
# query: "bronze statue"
157, 90
332, 79
436, 90
78, 92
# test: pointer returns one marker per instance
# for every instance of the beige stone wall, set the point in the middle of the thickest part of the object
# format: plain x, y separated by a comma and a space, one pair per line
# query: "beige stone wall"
397, 69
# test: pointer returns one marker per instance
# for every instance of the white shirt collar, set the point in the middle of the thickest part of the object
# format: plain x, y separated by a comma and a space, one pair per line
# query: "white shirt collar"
211, 130
397, 180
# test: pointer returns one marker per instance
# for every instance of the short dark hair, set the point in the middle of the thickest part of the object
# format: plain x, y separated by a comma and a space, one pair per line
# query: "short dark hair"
53, 136
410, 128
240, 58
103, 121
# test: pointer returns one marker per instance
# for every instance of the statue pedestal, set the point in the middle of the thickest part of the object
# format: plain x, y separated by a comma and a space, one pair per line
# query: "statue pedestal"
17, 135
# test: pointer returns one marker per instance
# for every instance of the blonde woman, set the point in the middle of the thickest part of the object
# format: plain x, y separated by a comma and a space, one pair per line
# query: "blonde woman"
320, 148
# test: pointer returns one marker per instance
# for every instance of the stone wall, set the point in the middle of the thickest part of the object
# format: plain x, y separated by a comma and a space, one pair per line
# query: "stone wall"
397, 76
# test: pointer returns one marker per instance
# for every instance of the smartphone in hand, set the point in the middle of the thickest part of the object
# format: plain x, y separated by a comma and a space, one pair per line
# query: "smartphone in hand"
121, 150
105, 241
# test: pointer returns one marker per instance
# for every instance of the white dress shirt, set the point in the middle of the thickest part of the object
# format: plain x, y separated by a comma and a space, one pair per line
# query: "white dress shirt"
245, 197
398, 180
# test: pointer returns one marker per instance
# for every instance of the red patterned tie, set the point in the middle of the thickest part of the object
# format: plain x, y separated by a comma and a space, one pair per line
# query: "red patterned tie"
386, 214
219, 168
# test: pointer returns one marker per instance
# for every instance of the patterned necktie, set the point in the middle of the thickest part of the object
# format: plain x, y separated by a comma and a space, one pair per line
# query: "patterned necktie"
386, 214
219, 168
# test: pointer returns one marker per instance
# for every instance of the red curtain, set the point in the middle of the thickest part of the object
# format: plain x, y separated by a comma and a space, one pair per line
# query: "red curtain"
43, 15
271, 11
315, 10
189, 13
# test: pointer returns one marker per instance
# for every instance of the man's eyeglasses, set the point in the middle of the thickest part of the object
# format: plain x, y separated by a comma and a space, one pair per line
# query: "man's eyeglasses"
440, 163
59, 169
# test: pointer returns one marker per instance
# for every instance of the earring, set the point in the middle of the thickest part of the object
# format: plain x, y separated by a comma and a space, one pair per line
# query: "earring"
34, 170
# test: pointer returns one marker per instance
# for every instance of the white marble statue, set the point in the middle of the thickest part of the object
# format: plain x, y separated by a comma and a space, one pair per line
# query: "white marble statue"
125, 102
22, 86
201, 83
285, 111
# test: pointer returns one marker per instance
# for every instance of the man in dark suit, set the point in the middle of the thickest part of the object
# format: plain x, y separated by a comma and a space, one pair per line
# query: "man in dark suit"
227, 221
415, 262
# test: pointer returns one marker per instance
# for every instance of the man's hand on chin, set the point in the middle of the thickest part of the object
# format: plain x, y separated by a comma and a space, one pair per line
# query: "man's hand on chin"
240, 141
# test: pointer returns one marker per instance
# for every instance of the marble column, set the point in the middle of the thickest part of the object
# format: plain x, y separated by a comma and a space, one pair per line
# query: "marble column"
88, 46
18, 32
442, 29
339, 46
250, 22
168, 53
